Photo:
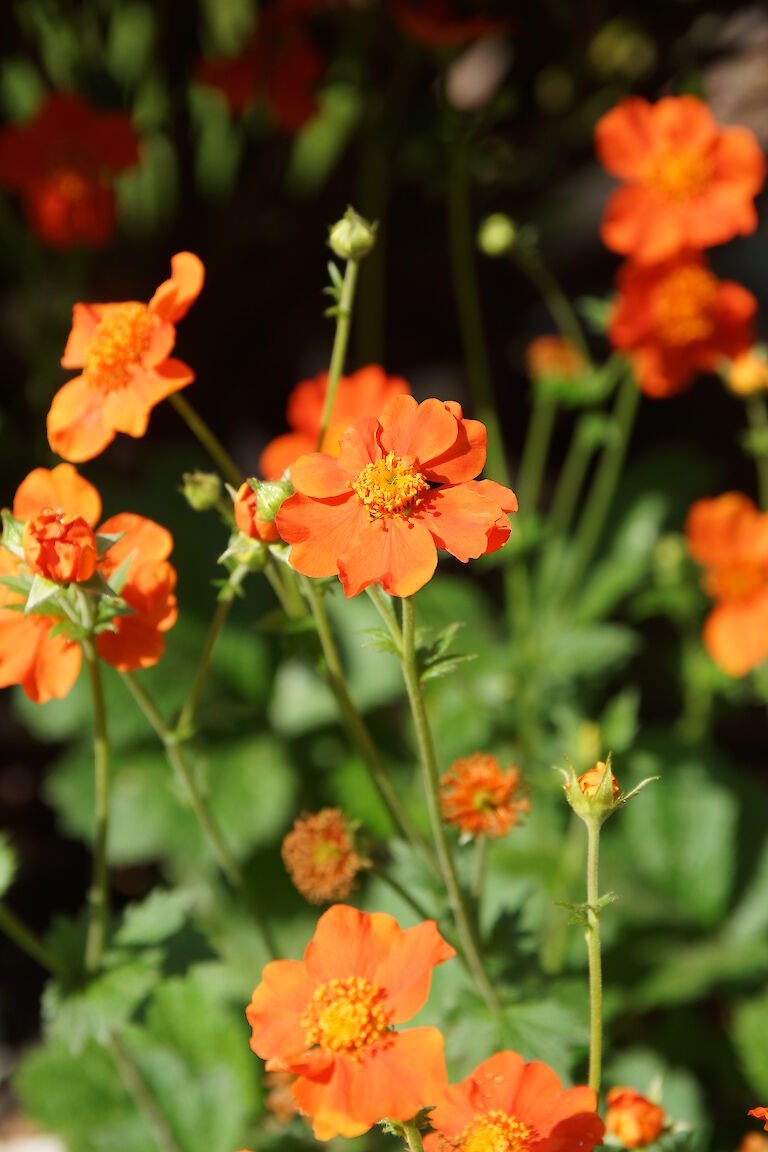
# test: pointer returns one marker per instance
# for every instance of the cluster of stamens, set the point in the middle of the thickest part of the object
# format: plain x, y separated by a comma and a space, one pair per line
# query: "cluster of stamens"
683, 306
347, 1016
495, 1131
118, 343
389, 487
680, 174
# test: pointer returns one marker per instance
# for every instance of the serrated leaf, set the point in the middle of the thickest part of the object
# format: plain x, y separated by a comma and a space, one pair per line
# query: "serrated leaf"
445, 666
155, 919
103, 1006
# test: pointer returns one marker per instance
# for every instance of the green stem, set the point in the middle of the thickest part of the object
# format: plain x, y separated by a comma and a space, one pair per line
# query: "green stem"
209, 441
139, 1091
25, 939
571, 480
99, 893
356, 727
534, 455
481, 853
431, 774
286, 588
226, 600
181, 766
340, 341
465, 289
606, 478
757, 414
412, 1136
402, 892
384, 607
530, 263
593, 952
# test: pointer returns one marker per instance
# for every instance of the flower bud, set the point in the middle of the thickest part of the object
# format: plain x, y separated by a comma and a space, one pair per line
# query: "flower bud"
632, 1118
247, 517
590, 782
554, 356
60, 547
352, 237
496, 235
595, 795
270, 495
748, 373
201, 490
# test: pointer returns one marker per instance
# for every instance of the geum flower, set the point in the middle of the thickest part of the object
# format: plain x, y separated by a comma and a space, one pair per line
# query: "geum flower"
330, 1018
480, 797
510, 1105
676, 320
124, 351
760, 1114
33, 653
400, 489
728, 536
320, 856
688, 183
62, 162
359, 396
632, 1118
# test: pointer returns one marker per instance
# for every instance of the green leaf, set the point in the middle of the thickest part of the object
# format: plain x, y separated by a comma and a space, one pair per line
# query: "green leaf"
155, 919
750, 1038
318, 146
103, 1006
596, 312
7, 864
40, 590
13, 531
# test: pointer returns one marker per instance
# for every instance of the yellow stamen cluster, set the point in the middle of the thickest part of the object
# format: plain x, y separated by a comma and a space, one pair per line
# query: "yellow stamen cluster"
389, 486
118, 342
684, 304
347, 1015
680, 174
494, 1132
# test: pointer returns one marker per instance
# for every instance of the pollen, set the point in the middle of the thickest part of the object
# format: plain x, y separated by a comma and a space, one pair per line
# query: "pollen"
680, 174
347, 1016
117, 345
494, 1132
684, 305
389, 487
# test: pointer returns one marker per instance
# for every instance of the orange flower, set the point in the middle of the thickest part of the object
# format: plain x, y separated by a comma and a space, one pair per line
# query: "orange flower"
677, 319
760, 1114
632, 1118
589, 782
319, 853
436, 24
554, 356
729, 537
124, 351
247, 516
47, 666
508, 1104
62, 162
280, 68
401, 487
330, 1018
748, 373
358, 397
688, 183
59, 546
481, 798
753, 1142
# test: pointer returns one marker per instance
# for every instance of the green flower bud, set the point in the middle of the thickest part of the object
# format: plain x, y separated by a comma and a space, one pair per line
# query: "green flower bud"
201, 490
270, 494
352, 237
496, 235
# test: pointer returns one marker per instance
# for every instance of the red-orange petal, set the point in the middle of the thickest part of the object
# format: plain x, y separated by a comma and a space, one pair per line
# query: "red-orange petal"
406, 971
283, 451
398, 553
459, 520
276, 1009
348, 942
76, 427
56, 667
62, 488
319, 475
85, 321
736, 634
175, 296
425, 431
465, 459
319, 531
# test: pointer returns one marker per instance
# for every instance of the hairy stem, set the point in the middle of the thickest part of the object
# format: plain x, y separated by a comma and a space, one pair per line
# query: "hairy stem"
401, 891
340, 341
593, 952
530, 263
98, 896
209, 441
412, 1136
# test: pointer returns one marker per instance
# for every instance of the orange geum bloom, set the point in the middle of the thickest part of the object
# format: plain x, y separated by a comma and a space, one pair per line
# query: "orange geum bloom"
124, 351
47, 665
330, 1019
60, 546
633, 1118
728, 536
688, 183
589, 781
62, 163
760, 1114
482, 798
506, 1104
400, 489
247, 516
753, 1142
359, 396
554, 356
677, 319
319, 853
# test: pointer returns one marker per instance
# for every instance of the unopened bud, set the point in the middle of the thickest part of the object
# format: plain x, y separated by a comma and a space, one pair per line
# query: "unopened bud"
201, 490
352, 237
748, 373
496, 235
270, 495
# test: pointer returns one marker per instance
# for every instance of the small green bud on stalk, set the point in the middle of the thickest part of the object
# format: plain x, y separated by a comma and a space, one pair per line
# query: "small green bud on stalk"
496, 235
595, 795
270, 495
352, 237
201, 490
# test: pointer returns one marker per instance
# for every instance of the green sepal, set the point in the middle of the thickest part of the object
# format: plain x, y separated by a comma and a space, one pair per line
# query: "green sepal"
13, 531
40, 590
105, 540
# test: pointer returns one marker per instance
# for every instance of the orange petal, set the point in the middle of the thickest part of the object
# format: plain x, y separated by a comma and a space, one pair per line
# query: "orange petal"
175, 297
571, 1103
406, 971
134, 645
359, 446
55, 670
504, 497
276, 1009
397, 553
328, 1102
425, 431
60, 487
465, 459
403, 1077
459, 520
282, 452
538, 1088
624, 137
736, 634
19, 638
739, 160
348, 942
582, 1131
85, 321
494, 1084
454, 1109
319, 531
319, 475
148, 540
76, 428
727, 529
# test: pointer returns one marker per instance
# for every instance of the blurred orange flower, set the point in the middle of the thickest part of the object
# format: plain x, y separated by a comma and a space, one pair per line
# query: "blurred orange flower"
729, 537
319, 854
508, 1104
760, 1114
632, 1117
400, 489
247, 516
589, 781
47, 666
482, 798
330, 1018
437, 23
61, 162
688, 183
677, 319
124, 351
280, 67
59, 546
554, 356
359, 396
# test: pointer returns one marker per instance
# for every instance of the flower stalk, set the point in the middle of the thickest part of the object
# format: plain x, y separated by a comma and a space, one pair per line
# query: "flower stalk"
412, 1136
25, 939
207, 438
98, 896
340, 342
592, 934
757, 414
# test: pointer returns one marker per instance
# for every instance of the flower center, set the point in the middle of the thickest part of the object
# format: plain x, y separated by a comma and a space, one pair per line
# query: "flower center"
346, 1015
680, 174
494, 1132
683, 306
389, 486
118, 343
